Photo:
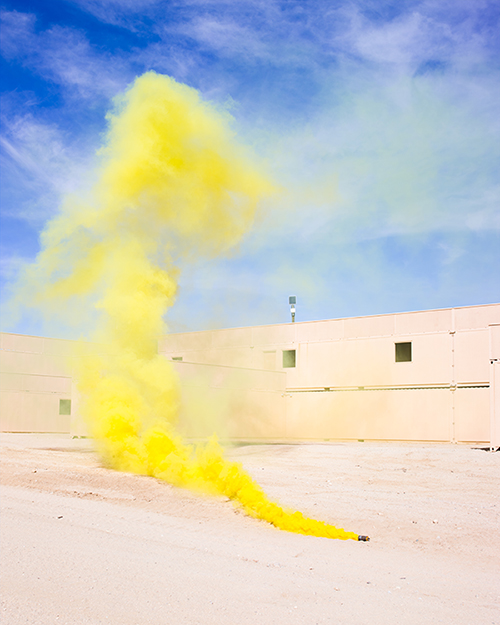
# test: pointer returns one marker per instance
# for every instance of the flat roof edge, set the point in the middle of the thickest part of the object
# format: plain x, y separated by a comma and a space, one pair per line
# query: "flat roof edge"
289, 323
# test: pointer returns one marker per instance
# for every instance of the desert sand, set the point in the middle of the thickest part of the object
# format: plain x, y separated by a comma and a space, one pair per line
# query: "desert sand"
82, 544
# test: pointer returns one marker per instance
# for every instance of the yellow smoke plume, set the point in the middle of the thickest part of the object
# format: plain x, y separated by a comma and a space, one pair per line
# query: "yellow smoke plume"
172, 182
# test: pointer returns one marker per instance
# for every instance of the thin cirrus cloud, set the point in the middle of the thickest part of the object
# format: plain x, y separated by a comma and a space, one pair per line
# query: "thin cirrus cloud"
128, 14
37, 154
378, 120
61, 55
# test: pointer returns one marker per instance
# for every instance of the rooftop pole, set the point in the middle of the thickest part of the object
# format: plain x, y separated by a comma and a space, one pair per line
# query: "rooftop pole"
292, 300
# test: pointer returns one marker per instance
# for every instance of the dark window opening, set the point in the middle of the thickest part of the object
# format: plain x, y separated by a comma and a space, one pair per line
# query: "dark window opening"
65, 406
288, 358
178, 358
403, 352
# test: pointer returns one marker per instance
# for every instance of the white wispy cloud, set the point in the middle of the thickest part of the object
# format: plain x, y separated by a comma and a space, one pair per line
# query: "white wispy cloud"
435, 31
15, 26
39, 166
404, 159
408, 40
124, 13
379, 119
226, 36
63, 56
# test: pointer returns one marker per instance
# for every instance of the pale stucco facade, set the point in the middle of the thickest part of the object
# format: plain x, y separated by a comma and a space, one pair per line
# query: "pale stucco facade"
346, 383
340, 379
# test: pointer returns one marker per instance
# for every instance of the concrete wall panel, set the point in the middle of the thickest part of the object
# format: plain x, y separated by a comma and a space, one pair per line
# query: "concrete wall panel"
471, 414
185, 342
274, 335
371, 362
32, 412
359, 327
474, 317
494, 335
236, 357
494, 435
35, 363
431, 360
471, 356
191, 374
386, 415
242, 414
267, 359
233, 337
21, 343
494, 342
233, 403
314, 331
35, 383
423, 322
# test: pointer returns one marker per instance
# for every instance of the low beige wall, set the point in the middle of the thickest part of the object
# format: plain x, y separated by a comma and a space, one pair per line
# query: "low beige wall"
233, 381
450, 349
35, 376
31, 411
430, 414
235, 403
470, 409
232, 403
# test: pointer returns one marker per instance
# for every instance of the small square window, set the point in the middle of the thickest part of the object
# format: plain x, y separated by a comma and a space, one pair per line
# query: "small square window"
403, 352
288, 358
65, 406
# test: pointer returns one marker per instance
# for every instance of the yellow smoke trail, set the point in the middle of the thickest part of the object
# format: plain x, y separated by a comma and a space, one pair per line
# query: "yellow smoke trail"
172, 182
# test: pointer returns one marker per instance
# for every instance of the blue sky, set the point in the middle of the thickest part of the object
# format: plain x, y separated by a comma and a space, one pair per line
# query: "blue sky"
380, 120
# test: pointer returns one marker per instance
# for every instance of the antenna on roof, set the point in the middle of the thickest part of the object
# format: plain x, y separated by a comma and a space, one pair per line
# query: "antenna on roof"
292, 300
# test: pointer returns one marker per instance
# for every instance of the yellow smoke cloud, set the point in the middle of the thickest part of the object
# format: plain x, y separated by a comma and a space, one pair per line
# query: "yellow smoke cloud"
172, 181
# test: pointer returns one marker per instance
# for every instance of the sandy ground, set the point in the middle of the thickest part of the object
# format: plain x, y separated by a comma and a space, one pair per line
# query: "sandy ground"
81, 544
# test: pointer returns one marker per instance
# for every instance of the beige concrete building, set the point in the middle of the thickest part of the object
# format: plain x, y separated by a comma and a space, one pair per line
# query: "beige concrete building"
420, 376
38, 392
36, 384
426, 376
